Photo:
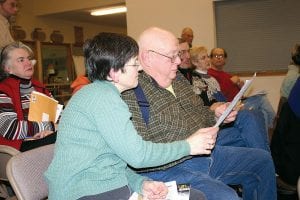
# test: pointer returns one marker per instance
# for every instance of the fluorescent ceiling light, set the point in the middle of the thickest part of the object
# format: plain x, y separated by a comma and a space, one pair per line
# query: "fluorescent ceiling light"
108, 11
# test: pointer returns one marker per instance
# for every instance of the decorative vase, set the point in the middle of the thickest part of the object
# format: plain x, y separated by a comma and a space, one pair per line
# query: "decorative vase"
56, 37
38, 34
18, 33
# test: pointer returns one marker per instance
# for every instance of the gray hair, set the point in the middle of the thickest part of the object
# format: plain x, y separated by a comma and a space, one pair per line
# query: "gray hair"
5, 57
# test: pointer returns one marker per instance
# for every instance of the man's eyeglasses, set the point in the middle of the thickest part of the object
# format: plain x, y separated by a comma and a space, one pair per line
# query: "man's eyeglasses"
172, 58
218, 56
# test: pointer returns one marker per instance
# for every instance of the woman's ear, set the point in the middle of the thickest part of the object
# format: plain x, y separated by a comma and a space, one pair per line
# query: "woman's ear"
194, 63
113, 76
7, 69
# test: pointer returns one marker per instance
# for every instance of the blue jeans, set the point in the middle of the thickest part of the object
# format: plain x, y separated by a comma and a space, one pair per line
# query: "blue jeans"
252, 168
261, 103
248, 130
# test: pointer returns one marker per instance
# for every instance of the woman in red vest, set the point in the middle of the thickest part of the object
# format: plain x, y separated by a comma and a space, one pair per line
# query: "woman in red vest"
16, 85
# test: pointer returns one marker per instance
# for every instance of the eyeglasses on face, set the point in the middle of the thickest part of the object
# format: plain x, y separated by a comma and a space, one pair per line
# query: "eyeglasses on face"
183, 52
218, 56
172, 58
135, 64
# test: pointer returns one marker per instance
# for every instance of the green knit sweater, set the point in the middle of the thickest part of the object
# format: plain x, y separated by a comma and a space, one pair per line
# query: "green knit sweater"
95, 141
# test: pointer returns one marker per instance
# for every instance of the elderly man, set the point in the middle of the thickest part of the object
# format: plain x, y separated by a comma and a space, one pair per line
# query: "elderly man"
8, 8
230, 86
164, 108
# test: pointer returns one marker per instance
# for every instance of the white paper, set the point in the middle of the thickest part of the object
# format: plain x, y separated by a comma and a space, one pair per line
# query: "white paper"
173, 193
172, 190
45, 117
58, 111
134, 196
235, 101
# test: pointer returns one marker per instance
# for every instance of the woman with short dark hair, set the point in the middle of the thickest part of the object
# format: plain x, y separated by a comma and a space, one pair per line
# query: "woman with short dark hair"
96, 137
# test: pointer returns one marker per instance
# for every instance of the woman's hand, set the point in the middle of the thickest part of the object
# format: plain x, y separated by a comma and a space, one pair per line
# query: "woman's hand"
154, 190
203, 140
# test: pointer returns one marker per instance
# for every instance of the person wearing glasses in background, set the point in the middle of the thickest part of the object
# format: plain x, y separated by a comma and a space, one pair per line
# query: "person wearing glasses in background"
8, 8
249, 124
90, 157
16, 85
231, 85
165, 109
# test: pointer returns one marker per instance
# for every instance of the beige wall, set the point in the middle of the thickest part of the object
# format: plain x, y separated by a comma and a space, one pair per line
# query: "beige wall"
169, 14
271, 84
173, 15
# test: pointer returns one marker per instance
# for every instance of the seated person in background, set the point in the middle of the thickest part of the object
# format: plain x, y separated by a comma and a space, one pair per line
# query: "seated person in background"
90, 159
230, 86
248, 124
206, 86
79, 82
187, 35
165, 109
285, 144
17, 68
292, 74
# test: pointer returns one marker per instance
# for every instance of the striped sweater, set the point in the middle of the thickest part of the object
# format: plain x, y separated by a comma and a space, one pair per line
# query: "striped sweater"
14, 107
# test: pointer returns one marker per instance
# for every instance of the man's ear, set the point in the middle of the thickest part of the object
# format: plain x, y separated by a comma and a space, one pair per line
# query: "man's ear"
144, 58
113, 75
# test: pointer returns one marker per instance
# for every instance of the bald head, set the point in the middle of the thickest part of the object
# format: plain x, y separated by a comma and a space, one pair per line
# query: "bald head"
155, 39
158, 55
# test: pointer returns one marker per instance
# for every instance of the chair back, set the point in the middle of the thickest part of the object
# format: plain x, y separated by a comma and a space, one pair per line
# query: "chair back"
6, 152
25, 172
298, 187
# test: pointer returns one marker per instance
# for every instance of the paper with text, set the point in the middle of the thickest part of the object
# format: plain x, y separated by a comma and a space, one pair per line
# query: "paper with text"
234, 101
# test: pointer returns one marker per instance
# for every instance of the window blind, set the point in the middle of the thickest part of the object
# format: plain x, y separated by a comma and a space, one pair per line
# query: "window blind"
258, 35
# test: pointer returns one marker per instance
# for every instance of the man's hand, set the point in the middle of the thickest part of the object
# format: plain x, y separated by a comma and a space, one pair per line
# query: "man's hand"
236, 80
232, 115
203, 140
215, 105
154, 190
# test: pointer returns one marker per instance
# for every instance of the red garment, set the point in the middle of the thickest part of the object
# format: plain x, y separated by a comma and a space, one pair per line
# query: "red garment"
228, 88
79, 82
11, 87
